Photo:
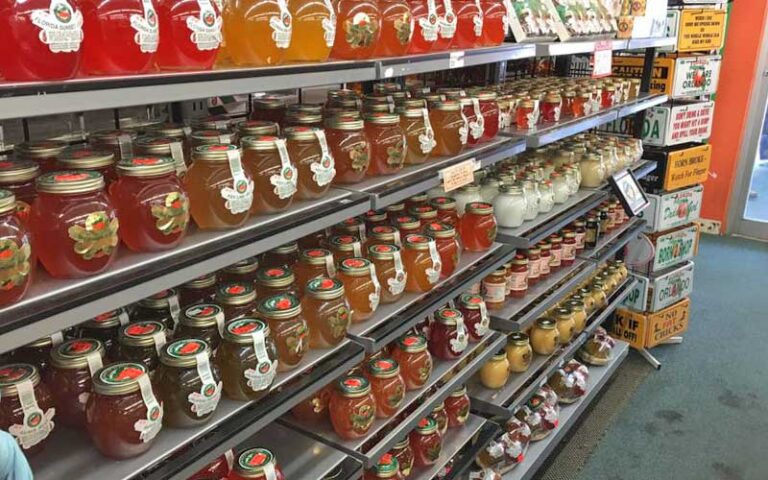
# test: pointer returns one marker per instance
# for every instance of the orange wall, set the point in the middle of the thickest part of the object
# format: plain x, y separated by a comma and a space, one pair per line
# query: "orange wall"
745, 28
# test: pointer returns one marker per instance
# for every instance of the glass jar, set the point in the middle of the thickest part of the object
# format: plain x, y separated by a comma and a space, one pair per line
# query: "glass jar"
396, 28
440, 416
578, 309
350, 147
551, 108
220, 189
268, 24
446, 210
204, 321
313, 263
86, 158
466, 195
422, 262
608, 97
495, 372
288, 326
275, 280
390, 270
476, 318
199, 290
266, 161
568, 249
383, 235
448, 246
73, 363
154, 146
104, 328
469, 24
451, 128
26, 406
387, 143
511, 206
358, 29
419, 135
518, 281
18, 177
519, 352
344, 247
588, 297
448, 336
387, 385
256, 464
592, 171
210, 137
545, 258
313, 31
411, 353
579, 230
544, 336
151, 203
258, 128
477, 228
527, 114
269, 108
161, 307
18, 259
494, 289
188, 386
37, 353
374, 218
489, 109
406, 225
403, 452
361, 286
494, 24
426, 442
308, 149
426, 26
533, 255
581, 105
284, 256
44, 153
566, 325
141, 342
123, 414
352, 407
119, 142
457, 407
74, 223
327, 312
556, 252
314, 409
425, 213
470, 108
247, 359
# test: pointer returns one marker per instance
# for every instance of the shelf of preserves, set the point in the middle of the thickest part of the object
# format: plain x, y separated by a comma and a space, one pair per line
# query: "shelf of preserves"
651, 42
610, 243
392, 320
570, 48
519, 313
55, 304
464, 461
70, 453
614, 301
533, 231
445, 378
386, 190
453, 441
539, 451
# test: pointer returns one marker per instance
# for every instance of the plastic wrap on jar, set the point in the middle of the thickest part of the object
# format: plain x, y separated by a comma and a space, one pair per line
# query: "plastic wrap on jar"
569, 381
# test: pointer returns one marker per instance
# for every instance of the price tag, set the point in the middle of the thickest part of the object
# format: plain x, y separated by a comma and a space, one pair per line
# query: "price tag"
456, 176
456, 60
389, 72
602, 59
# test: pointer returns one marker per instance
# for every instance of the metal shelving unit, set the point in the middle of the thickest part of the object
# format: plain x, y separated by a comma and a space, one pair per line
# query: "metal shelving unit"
453, 441
435, 62
610, 243
571, 48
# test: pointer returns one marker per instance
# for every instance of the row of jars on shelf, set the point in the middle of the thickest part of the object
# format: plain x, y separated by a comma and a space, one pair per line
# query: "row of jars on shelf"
60, 39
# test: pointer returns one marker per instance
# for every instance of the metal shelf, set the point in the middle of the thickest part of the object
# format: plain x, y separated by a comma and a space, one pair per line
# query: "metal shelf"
72, 455
392, 320
570, 48
609, 244
614, 302
434, 62
462, 463
386, 190
648, 42
453, 441
532, 231
539, 451
642, 102
446, 377
55, 304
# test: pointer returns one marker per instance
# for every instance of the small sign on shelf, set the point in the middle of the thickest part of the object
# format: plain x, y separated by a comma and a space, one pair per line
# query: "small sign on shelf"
456, 176
602, 59
629, 192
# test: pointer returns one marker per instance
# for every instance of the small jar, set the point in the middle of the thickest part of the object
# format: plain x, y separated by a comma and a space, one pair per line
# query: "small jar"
275, 280
419, 134
275, 177
327, 312
519, 352
247, 359
608, 97
597, 290
579, 314
104, 328
200, 290
256, 464
422, 262
545, 258
86, 158
592, 170
441, 417
581, 105
579, 230
119, 142
284, 256
478, 227
527, 114
448, 246
533, 255
406, 225
162, 307
551, 108
588, 297
457, 407
141, 342
187, 385
237, 299
425, 213
18, 259
390, 271
518, 285
511, 206
451, 129
352, 408
566, 325
387, 141
448, 336
288, 326
73, 363
446, 210
403, 452
546, 196
476, 317
411, 353
345, 247
45, 153
494, 288
18, 177
387, 385
545, 336
466, 195
350, 148
556, 250
495, 372
568, 249
30, 421
204, 321
313, 263
426, 442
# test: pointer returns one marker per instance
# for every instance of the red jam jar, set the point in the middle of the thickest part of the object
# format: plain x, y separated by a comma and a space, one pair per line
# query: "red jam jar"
438, 413
73, 363
475, 313
256, 464
123, 415
141, 342
569, 248
448, 336
469, 24
608, 97
18, 177
551, 108
74, 223
533, 255
237, 299
426, 25
122, 39
526, 115
489, 108
403, 452
45, 153
411, 353
426, 442
352, 407
200, 290
358, 28
26, 406
105, 328
448, 246
494, 28
350, 148
477, 228
387, 385
388, 467
191, 34
406, 225
545, 258
18, 259
425, 213
457, 407
518, 280
387, 142
446, 210
86, 158
446, 25
556, 252
396, 28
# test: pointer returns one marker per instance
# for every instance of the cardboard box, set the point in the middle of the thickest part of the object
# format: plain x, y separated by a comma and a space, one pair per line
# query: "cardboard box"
676, 76
654, 293
696, 29
648, 330
677, 169
673, 247
685, 121
673, 209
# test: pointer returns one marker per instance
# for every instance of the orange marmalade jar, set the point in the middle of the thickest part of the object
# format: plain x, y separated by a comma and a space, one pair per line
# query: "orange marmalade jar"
373, 218
389, 270
451, 128
352, 407
73, 363
387, 143
26, 406
345, 246
257, 32
308, 150
220, 190
383, 234
448, 245
396, 28
422, 262
17, 258
349, 146
313, 263
387, 385
358, 29
274, 280
151, 202
327, 312
410, 352
74, 224
406, 224
352, 226
289, 328
419, 135
478, 227
267, 162
314, 30
446, 210
361, 286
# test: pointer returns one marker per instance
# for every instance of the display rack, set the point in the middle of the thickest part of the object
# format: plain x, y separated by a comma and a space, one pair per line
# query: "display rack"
453, 441
462, 462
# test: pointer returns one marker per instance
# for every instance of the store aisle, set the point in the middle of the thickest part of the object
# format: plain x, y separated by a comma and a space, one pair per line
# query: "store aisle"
704, 415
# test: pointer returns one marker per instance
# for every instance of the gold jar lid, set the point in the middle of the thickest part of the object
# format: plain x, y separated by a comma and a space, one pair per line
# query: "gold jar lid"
355, 266
427, 426
120, 379
380, 118
112, 137
155, 145
282, 306
203, 281
40, 149
414, 103
263, 143
395, 208
7, 201
447, 106
459, 392
235, 293
535, 250
519, 339
412, 343
553, 98
575, 304
275, 277
269, 102
479, 208
213, 122
316, 256
140, 334
301, 133
105, 320
325, 288
311, 108
12, 374
404, 443
563, 313
439, 407
146, 166
303, 119
383, 251
555, 238
527, 103
73, 354
440, 230
169, 129
546, 323
519, 260
443, 203
85, 158
346, 123
286, 248
344, 243
258, 128
417, 241
242, 329
375, 216
202, 315
252, 463
217, 152
486, 95
158, 301
382, 368
210, 137
449, 316
383, 232
183, 353
248, 265
70, 182
15, 171
409, 112
353, 387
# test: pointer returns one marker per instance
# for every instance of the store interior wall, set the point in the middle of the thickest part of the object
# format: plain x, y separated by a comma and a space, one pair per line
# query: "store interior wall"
746, 24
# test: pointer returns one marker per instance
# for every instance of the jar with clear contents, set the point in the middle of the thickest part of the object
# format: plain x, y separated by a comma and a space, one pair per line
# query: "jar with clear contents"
390, 270
422, 262
313, 263
309, 151
361, 286
288, 326
450, 128
247, 359
266, 161
327, 312
350, 148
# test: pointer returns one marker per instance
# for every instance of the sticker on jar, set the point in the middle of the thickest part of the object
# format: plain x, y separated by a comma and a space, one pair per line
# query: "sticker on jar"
556, 257
569, 251
580, 240
150, 426
361, 232
391, 103
544, 265
518, 281
464, 129
396, 238
357, 249
160, 341
433, 273
282, 26
447, 21
505, 119
239, 197
175, 309
329, 24
57, 338
125, 146
206, 29
494, 292
509, 11
260, 378
459, 344
61, 26
477, 127
482, 328
177, 154
477, 20
475, 288
329, 266
430, 24
147, 35
207, 399
285, 182
123, 317
375, 296
94, 362
495, 449
427, 139
323, 171
534, 270
396, 284
37, 424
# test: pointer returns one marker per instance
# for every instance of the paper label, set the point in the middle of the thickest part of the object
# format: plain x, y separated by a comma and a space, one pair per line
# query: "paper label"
177, 153
123, 318
361, 233
448, 21
569, 251
173, 306
544, 265
459, 344
494, 292
282, 26
94, 362
477, 20
206, 400
508, 16
555, 257
125, 145
456, 176
262, 376
325, 170
429, 24
149, 427
285, 182
206, 29
456, 60
329, 25
239, 197
330, 266
357, 249
464, 129
160, 341
61, 26
477, 127
147, 34
602, 59
433, 274
481, 329
396, 284
57, 338
427, 139
518, 281
396, 235
580, 240
37, 425
375, 297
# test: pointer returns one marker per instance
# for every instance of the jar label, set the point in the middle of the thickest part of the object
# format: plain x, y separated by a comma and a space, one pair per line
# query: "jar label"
475, 288
147, 34
556, 257
172, 215
481, 329
14, 264
282, 26
329, 266
123, 318
160, 341
177, 153
477, 20
207, 399
505, 119
508, 16
61, 26
569, 251
239, 197
94, 362
580, 240
459, 344
96, 237
427, 139
206, 29
429, 24
325, 170
329, 25
361, 233
262, 376
534, 268
544, 265
396, 284
396, 153
375, 296
518, 281
433, 273
448, 21
464, 129
396, 238
175, 309
477, 127
149, 427
285, 182
357, 249
37, 425
494, 292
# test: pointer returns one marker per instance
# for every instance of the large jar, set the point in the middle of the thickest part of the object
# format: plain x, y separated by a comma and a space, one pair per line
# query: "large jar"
247, 359
470, 108
510, 206
141, 342
446, 25
352, 408
466, 195
220, 190
327, 312
18, 259
204, 321
162, 307
448, 246
489, 108
256, 464
545, 336
344, 247
396, 28
422, 262
200, 290
308, 150
191, 35
387, 385
426, 25
18, 177
123, 414
104, 328
266, 161
154, 146
243, 271
26, 406
358, 29
74, 223
495, 372
457, 407
494, 23
426, 442
313, 263
478, 227
350, 148
37, 353
448, 336
288, 326
387, 141
469, 24
592, 171
411, 353
361, 286
151, 203
86, 158
451, 128
45, 153
476, 318
314, 30
519, 352
258, 32
390, 270
73, 363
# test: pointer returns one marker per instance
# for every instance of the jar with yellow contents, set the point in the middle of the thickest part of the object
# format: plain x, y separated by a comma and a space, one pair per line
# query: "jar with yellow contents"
566, 325
519, 352
544, 336
495, 373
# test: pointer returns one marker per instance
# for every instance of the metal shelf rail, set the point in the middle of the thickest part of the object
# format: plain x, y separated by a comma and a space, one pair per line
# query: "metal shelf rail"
610, 243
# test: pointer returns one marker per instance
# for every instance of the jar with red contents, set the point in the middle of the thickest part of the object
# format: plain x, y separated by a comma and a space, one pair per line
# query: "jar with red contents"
45, 153
387, 142
533, 255
18, 259
406, 225
418, 200
86, 158
608, 97
446, 25
200, 290
545, 259
494, 25
191, 35
373, 218
237, 299
469, 24
344, 247
457, 407
448, 336
489, 108
426, 26
470, 107
204, 321
383, 235
73, 363
425, 213
441, 417
411, 353
477, 227
579, 228
448, 246
551, 108
351, 226
141, 342
556, 252
568, 249
18, 177
104, 327
242, 271
217, 469
446, 210
352, 407
426, 442
37, 353
358, 29
74, 223
518, 281
476, 318
26, 406
123, 37
387, 385
256, 464
403, 452
396, 28
388, 467
350, 148
526, 115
